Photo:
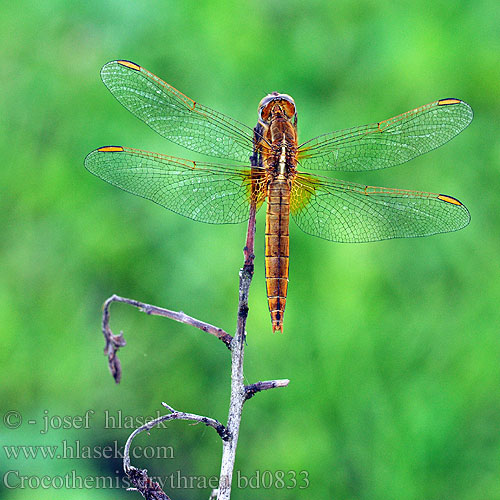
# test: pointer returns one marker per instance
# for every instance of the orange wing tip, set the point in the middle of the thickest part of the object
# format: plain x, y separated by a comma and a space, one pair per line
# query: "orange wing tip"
449, 199
278, 328
129, 64
110, 149
447, 102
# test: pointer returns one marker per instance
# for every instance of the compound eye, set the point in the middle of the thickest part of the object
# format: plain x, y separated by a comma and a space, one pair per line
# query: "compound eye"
266, 105
289, 108
264, 112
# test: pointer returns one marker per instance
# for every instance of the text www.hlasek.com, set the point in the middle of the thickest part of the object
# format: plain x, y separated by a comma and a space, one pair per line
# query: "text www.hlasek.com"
77, 450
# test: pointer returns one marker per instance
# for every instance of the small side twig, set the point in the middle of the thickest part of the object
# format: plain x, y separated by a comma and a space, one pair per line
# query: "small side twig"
252, 389
173, 415
114, 342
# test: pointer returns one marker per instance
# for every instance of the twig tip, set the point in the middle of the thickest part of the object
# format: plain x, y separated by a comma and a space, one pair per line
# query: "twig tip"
168, 407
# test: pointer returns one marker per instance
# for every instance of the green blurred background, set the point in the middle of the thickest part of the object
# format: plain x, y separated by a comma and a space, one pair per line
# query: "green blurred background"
392, 348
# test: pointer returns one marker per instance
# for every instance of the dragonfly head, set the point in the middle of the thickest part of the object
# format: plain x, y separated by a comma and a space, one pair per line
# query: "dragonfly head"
277, 105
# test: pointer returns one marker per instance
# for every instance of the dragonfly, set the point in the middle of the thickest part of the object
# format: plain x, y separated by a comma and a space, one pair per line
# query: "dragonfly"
265, 164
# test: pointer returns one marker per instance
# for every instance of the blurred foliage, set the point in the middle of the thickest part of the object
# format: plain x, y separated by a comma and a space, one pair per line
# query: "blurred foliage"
392, 348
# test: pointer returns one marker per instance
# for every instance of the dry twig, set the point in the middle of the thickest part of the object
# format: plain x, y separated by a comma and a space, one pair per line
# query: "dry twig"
114, 342
240, 393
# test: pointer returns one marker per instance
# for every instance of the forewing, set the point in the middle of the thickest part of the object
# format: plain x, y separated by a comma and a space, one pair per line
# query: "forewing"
204, 192
175, 116
348, 212
390, 142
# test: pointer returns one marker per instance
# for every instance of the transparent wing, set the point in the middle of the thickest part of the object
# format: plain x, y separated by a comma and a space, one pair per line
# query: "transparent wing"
390, 142
175, 116
204, 192
348, 212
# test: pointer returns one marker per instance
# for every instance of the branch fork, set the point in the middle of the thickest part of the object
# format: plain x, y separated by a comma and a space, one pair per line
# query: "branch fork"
240, 393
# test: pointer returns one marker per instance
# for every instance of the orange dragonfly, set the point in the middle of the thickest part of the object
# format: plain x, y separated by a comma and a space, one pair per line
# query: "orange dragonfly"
269, 155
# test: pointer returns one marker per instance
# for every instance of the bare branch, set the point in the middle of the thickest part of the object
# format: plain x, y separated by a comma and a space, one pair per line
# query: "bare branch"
114, 342
240, 393
237, 380
251, 390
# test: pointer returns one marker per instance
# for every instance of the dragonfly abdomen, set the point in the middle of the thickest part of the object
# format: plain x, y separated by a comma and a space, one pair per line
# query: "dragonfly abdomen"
277, 249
